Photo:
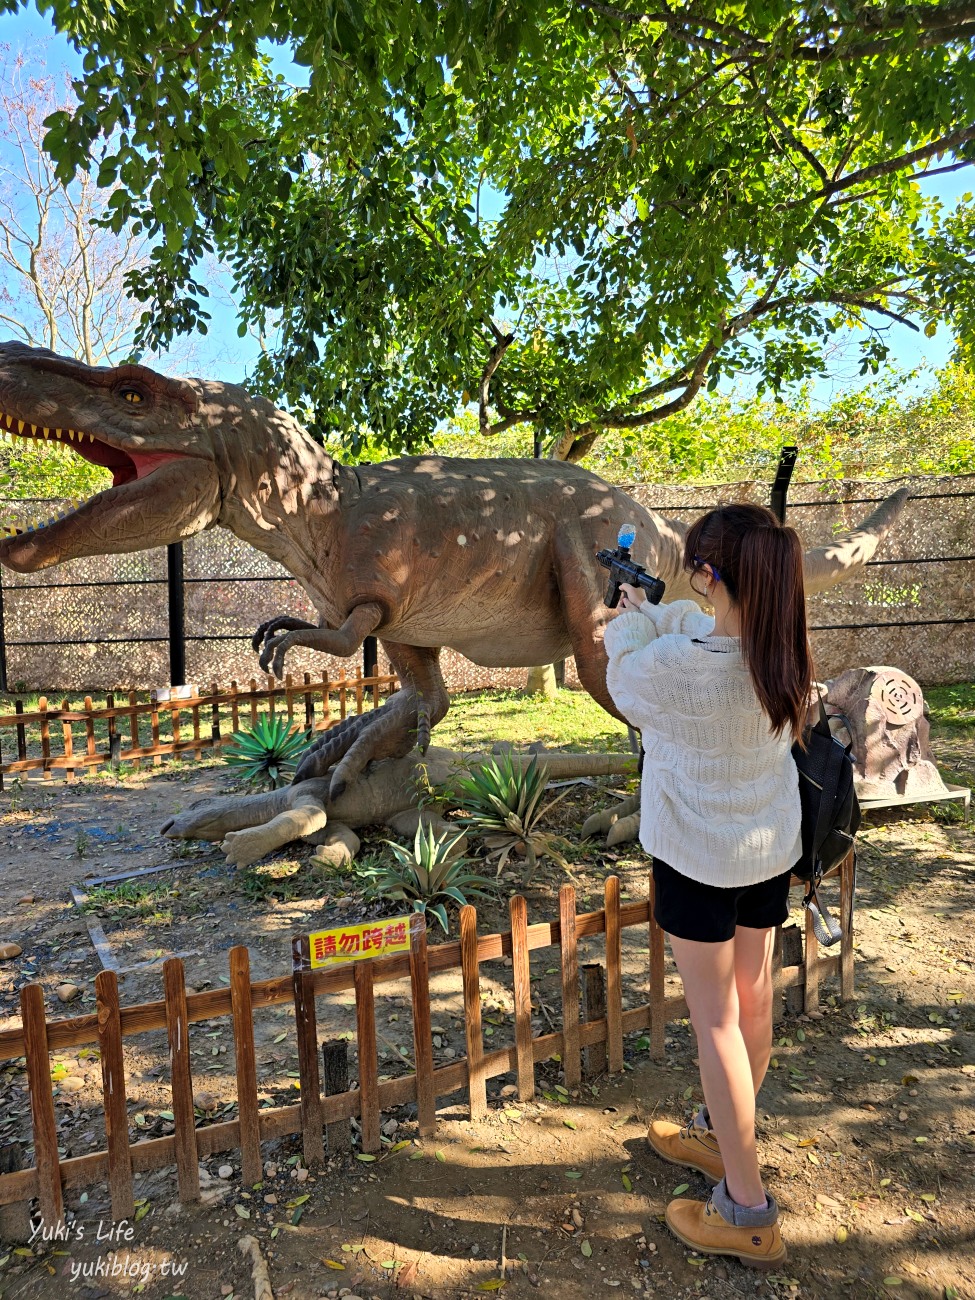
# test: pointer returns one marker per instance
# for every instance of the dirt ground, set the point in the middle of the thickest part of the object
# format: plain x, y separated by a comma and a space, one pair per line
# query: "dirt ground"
866, 1120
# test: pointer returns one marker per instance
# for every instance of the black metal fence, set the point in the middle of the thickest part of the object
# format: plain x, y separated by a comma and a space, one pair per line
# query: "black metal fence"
187, 612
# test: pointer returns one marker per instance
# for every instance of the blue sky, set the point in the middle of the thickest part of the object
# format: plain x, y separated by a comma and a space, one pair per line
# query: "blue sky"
221, 354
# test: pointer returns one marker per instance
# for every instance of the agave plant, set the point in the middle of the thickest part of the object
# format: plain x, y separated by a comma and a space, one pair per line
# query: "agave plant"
424, 876
267, 753
502, 802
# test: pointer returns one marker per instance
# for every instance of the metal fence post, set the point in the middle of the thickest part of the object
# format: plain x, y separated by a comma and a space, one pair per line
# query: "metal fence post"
780, 485
177, 614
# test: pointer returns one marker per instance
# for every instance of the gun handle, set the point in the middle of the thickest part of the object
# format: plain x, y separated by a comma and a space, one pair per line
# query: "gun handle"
613, 594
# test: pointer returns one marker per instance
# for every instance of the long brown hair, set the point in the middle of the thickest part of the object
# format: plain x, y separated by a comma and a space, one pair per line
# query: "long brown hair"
759, 560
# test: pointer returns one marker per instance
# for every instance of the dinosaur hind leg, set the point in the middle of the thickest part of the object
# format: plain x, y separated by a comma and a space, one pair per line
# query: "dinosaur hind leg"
586, 617
392, 730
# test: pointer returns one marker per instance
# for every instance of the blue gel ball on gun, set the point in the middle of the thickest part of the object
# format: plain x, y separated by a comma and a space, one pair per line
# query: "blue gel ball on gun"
627, 536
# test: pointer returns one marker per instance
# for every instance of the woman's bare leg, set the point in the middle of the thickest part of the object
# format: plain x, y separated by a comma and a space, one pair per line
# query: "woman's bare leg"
753, 981
708, 972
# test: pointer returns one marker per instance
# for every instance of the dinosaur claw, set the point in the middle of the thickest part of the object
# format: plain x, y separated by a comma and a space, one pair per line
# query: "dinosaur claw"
336, 789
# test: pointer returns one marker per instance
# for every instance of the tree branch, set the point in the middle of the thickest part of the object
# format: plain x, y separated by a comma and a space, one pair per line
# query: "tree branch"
943, 145
501, 344
929, 25
796, 143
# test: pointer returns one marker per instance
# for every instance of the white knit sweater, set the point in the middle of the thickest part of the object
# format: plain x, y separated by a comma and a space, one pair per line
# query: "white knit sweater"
720, 794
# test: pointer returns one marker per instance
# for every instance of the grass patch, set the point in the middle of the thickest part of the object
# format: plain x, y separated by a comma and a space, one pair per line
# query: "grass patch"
952, 710
572, 720
129, 898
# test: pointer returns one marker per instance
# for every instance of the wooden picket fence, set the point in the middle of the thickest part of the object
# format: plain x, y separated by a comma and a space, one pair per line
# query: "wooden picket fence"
168, 723
592, 1042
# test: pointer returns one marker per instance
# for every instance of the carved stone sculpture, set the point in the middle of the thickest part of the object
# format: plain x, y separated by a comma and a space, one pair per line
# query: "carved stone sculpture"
881, 713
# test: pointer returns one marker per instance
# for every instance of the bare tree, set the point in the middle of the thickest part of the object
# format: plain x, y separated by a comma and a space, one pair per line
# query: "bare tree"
61, 273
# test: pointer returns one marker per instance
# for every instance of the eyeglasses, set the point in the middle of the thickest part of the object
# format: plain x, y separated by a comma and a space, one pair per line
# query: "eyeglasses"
703, 564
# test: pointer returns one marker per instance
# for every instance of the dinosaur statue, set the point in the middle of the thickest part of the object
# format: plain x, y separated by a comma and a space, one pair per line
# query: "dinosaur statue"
495, 558
401, 793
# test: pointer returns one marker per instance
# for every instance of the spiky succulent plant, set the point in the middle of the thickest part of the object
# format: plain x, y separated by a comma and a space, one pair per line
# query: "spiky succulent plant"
426, 876
503, 803
267, 753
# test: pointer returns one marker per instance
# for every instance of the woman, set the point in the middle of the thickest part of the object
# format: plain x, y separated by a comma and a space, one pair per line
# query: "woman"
719, 702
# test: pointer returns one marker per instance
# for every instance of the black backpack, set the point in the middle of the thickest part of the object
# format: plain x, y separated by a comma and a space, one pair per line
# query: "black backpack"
830, 815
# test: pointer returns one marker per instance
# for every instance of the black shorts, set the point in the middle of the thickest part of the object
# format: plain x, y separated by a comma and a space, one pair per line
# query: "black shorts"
709, 914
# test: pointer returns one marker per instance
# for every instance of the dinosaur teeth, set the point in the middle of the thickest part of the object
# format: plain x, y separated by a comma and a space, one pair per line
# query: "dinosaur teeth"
70, 434
20, 426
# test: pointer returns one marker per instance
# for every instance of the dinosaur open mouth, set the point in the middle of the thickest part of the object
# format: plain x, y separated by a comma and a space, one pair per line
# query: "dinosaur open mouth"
125, 466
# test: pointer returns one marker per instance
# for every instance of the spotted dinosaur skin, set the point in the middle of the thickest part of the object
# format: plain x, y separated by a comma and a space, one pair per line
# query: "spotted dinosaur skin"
494, 558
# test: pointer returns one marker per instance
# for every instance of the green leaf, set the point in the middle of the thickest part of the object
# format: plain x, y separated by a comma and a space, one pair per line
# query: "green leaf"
680, 1189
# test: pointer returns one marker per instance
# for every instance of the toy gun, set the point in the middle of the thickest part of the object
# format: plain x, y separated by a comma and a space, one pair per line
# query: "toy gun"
622, 569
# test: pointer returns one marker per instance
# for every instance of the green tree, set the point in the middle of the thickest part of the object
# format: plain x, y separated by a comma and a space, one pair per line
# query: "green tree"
62, 270
579, 214
884, 429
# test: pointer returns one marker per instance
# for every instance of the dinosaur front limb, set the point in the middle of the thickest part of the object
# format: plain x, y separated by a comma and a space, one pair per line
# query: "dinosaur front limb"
284, 623
306, 816
619, 823
337, 846
211, 819
341, 642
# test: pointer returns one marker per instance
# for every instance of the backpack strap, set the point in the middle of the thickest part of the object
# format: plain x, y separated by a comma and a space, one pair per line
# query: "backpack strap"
830, 780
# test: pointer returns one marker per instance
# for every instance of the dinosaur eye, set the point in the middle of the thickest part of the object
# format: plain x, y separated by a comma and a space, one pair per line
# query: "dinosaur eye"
131, 394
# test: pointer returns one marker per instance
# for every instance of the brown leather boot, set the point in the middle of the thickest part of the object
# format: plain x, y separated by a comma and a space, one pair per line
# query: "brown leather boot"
752, 1236
693, 1145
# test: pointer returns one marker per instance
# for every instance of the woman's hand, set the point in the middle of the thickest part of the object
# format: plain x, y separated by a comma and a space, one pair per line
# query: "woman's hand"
631, 597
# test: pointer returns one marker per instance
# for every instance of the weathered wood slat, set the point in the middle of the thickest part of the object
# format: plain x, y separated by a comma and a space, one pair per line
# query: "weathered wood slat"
470, 979
426, 1098
120, 1184
181, 1081
335, 1077
67, 743
521, 971
594, 1010
571, 1058
365, 1019
306, 1027
614, 980
251, 1168
134, 726
43, 1122
45, 735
